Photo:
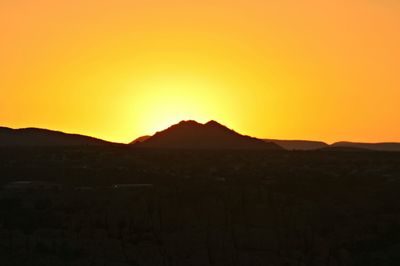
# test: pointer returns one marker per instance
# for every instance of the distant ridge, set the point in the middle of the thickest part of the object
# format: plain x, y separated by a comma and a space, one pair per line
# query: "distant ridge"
140, 139
44, 137
383, 146
211, 135
186, 135
299, 144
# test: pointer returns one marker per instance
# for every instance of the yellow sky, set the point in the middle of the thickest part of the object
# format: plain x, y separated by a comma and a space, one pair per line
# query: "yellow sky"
313, 69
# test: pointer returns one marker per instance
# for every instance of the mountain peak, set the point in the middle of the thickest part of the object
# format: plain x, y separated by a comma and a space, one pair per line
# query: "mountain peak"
212, 122
188, 122
189, 134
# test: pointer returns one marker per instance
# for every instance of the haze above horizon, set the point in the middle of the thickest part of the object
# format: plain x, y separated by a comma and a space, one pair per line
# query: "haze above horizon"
316, 70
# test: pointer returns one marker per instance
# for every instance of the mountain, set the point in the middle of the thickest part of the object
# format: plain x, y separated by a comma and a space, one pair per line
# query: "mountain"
384, 146
140, 139
211, 135
44, 137
299, 144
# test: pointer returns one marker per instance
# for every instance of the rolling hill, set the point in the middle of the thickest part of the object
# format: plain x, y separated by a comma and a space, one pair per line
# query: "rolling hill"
383, 146
299, 144
211, 135
44, 137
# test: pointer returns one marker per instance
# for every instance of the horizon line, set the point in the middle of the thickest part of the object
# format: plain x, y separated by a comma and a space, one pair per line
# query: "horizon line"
262, 138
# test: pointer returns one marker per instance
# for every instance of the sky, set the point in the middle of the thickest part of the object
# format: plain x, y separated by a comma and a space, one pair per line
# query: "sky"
314, 69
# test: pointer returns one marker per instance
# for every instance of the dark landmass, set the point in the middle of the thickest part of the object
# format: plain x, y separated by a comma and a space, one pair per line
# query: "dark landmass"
140, 139
211, 135
384, 146
299, 144
120, 205
345, 148
202, 195
44, 137
185, 135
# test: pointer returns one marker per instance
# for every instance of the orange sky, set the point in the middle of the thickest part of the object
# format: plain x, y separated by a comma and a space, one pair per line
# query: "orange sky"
312, 69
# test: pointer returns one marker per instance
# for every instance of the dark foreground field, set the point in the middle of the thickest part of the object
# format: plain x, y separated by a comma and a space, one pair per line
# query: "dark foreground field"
122, 206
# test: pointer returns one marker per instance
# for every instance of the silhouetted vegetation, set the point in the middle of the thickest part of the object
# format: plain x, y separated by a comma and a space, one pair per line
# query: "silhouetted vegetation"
129, 206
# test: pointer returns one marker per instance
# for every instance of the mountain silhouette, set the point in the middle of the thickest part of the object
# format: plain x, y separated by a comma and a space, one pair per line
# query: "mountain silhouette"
44, 137
184, 135
140, 139
211, 135
383, 146
299, 144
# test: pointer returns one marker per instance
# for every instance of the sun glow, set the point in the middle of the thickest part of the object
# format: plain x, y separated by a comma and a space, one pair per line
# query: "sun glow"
163, 100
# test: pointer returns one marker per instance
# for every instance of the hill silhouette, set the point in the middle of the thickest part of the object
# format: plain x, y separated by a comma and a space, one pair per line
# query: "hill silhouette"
211, 135
44, 137
187, 135
299, 144
384, 146
140, 139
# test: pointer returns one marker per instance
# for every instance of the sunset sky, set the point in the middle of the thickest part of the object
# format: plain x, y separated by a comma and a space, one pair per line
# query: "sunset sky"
117, 69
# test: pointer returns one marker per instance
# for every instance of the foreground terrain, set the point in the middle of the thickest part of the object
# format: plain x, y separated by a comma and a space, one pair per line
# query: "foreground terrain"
127, 206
